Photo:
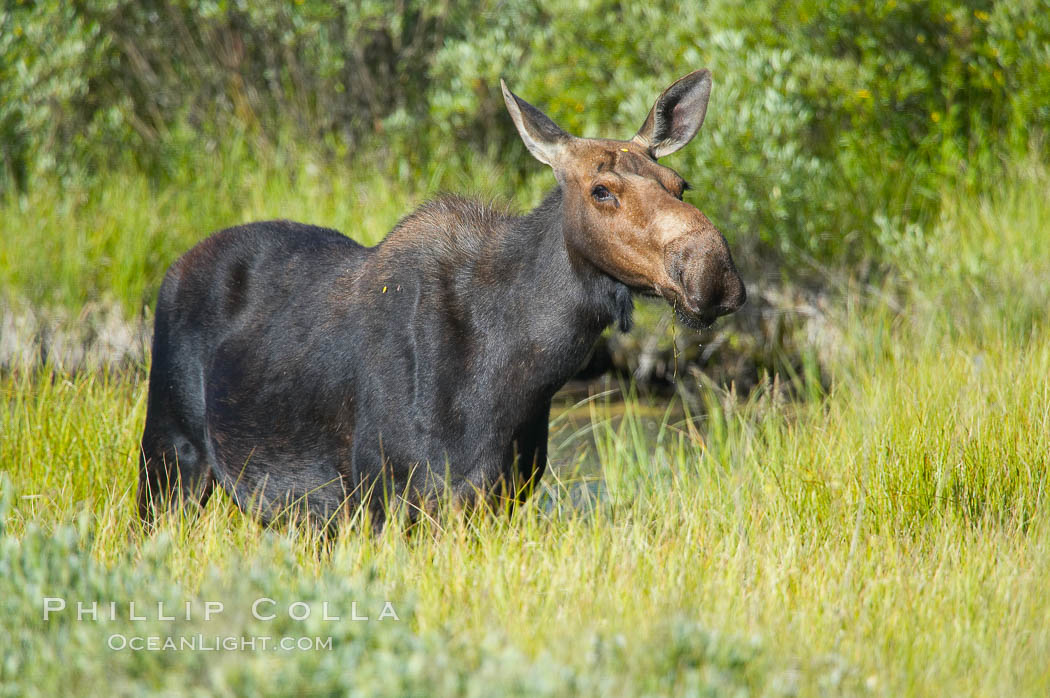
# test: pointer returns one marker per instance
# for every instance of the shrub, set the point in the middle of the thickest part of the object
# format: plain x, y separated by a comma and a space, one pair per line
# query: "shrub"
822, 113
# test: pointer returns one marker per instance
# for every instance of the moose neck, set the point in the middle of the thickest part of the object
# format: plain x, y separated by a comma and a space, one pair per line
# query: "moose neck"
564, 283
507, 290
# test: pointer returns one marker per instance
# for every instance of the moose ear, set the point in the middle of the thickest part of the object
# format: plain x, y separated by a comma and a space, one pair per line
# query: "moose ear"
677, 115
544, 138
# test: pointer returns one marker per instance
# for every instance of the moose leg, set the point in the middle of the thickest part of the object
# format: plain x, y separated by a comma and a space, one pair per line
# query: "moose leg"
174, 468
515, 475
531, 446
172, 476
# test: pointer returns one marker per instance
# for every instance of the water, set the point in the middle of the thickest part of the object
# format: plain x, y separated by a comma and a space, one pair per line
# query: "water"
582, 416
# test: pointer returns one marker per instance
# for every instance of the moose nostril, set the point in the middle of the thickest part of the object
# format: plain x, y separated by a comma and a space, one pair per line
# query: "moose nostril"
679, 273
718, 292
740, 297
707, 278
736, 296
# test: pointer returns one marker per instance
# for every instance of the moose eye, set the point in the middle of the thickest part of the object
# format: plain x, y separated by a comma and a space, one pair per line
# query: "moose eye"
600, 193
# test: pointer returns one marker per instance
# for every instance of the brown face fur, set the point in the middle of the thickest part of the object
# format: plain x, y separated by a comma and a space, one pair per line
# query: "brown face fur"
624, 212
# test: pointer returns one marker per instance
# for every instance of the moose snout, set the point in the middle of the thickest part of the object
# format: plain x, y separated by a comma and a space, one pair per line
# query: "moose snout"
708, 280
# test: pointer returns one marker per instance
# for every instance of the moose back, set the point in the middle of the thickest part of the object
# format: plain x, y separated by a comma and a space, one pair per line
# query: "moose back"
297, 369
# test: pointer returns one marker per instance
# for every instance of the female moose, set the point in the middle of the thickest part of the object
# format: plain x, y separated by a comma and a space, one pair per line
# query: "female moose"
292, 366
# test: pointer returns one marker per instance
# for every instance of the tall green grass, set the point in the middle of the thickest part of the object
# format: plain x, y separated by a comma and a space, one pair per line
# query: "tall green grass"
886, 535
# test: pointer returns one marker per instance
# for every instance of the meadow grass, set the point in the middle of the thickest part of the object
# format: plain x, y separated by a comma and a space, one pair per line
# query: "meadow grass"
887, 535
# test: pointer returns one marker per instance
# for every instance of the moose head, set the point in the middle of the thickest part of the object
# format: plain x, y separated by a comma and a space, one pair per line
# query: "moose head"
624, 211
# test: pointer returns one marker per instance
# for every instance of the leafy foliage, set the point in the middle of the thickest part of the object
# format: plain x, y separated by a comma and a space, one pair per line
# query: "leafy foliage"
821, 113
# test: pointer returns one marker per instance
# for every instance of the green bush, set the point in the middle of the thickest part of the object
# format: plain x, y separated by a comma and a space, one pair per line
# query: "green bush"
822, 112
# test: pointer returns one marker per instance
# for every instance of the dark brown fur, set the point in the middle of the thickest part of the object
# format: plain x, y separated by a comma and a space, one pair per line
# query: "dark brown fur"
291, 366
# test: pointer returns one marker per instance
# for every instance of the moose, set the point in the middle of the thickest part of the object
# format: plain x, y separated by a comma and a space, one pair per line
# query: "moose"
299, 370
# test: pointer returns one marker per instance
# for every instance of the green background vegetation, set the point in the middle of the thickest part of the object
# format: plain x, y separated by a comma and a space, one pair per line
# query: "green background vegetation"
871, 518
823, 115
